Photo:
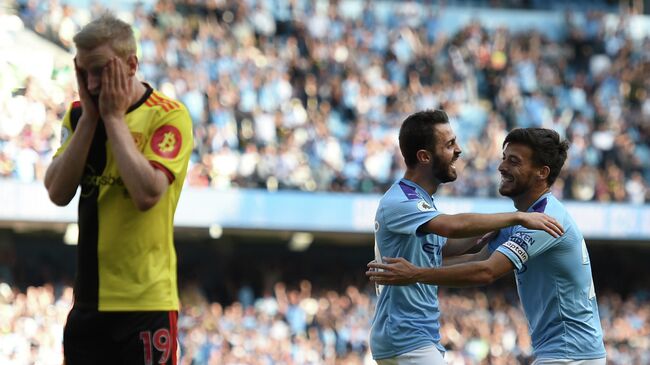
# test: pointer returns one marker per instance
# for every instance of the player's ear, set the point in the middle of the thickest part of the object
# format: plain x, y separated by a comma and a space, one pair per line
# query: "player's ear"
423, 156
132, 64
543, 172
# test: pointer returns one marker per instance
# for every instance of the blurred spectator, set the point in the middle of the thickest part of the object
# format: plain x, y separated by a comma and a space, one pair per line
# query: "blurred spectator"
298, 95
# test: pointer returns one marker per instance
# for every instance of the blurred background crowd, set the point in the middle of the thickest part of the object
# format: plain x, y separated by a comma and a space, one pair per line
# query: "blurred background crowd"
259, 304
305, 325
295, 94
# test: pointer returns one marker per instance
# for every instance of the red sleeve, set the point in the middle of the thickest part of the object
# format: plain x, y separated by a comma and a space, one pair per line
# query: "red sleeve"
159, 166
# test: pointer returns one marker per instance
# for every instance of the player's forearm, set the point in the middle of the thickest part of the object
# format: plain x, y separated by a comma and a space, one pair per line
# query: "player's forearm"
460, 275
475, 224
484, 254
64, 173
459, 246
140, 178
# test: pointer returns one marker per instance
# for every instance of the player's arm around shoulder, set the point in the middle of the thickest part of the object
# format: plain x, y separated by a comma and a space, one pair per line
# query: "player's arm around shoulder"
473, 224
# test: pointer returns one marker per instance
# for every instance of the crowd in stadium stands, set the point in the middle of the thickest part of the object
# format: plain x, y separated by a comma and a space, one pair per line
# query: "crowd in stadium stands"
289, 95
305, 326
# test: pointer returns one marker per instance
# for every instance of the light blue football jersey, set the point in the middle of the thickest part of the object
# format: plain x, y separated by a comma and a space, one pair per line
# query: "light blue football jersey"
406, 317
555, 286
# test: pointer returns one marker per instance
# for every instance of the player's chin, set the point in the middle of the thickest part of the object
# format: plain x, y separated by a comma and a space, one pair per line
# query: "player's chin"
506, 190
452, 175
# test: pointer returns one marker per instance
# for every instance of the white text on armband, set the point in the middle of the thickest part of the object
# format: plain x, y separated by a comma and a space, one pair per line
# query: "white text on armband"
517, 250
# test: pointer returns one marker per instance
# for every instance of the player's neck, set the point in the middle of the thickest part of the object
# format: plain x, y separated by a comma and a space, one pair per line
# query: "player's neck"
138, 90
428, 183
525, 200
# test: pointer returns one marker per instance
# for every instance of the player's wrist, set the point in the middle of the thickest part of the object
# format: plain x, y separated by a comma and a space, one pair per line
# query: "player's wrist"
419, 275
519, 218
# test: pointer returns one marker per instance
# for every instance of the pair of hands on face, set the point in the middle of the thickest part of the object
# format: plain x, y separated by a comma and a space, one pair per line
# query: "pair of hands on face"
115, 93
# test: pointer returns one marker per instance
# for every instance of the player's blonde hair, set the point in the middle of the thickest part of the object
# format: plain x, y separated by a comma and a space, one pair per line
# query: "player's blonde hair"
107, 29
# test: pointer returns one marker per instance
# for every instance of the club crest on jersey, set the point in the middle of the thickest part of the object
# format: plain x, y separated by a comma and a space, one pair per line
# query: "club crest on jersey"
166, 141
424, 206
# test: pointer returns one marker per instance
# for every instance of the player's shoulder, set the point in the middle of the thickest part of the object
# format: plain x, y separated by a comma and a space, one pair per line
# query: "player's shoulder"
550, 205
162, 103
399, 192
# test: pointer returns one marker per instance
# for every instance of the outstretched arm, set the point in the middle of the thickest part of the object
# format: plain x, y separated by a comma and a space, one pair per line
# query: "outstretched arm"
463, 246
398, 271
474, 224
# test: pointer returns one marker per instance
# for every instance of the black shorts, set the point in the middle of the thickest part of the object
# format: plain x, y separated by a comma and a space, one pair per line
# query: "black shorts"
128, 338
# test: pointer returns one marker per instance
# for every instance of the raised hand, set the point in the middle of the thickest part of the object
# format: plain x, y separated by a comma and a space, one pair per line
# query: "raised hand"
541, 221
117, 88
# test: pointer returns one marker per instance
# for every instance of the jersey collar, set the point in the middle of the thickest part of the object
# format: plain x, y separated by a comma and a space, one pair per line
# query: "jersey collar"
423, 193
144, 98
540, 204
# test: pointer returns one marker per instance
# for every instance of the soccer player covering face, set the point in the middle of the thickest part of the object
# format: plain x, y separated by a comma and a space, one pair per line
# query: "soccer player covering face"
553, 273
128, 147
405, 328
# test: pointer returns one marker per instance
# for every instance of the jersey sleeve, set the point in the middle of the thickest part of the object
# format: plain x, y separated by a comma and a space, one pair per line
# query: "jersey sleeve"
170, 142
525, 244
405, 217
66, 131
500, 238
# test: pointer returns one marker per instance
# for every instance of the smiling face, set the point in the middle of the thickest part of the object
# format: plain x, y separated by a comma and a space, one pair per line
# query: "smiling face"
518, 174
446, 153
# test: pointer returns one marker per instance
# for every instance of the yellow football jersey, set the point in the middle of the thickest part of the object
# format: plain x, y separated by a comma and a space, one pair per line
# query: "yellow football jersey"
126, 260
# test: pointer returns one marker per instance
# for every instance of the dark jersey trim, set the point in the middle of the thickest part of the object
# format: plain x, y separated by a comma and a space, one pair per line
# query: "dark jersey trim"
86, 288
157, 165
144, 98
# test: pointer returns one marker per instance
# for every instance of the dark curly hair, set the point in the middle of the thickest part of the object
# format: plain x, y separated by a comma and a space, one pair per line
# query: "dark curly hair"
416, 133
548, 149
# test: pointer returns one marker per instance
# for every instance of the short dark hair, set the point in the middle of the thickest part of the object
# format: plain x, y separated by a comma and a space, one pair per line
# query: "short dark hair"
548, 149
416, 133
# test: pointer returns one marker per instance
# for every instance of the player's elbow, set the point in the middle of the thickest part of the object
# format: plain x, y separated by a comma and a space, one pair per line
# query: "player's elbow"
146, 202
485, 274
147, 196
453, 229
58, 199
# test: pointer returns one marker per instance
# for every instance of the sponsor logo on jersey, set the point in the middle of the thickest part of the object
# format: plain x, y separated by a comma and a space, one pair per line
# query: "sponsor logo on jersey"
91, 181
522, 239
166, 141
